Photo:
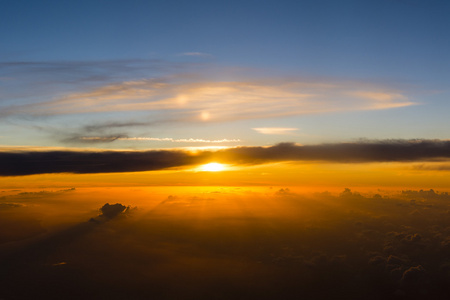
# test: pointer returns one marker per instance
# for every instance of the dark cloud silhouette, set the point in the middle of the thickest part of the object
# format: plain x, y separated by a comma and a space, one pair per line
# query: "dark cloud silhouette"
109, 125
112, 210
104, 132
82, 139
358, 152
26, 163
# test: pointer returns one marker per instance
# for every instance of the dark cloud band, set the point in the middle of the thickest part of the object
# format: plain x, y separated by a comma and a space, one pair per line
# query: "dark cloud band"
27, 163
360, 152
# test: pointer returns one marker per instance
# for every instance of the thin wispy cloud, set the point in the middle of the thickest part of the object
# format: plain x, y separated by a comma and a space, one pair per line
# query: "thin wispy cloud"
217, 101
105, 101
150, 139
31, 82
275, 130
432, 167
190, 140
83, 71
109, 125
95, 139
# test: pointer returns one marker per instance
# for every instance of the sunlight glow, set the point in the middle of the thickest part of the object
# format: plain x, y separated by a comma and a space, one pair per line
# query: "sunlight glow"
212, 167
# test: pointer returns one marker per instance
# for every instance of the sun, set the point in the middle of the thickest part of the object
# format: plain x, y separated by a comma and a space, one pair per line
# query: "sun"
212, 167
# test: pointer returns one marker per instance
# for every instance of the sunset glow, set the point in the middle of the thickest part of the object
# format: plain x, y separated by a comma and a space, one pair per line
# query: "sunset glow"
225, 149
213, 167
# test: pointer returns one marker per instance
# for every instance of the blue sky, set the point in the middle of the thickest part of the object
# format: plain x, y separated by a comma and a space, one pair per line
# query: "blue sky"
242, 72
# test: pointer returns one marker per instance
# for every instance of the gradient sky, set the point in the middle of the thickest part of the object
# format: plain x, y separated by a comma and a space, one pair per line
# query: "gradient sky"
327, 94
154, 74
327, 119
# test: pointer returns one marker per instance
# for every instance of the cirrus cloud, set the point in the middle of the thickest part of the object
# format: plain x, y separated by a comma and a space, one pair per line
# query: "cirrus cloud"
275, 130
198, 100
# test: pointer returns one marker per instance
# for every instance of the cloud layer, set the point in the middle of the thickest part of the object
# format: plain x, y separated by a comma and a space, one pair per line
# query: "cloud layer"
74, 102
236, 243
187, 97
27, 163
359, 152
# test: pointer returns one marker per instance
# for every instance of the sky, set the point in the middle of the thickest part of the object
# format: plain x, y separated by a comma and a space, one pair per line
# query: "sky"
198, 76
224, 149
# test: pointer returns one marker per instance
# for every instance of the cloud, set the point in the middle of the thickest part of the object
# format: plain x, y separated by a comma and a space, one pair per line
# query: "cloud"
189, 140
111, 211
378, 96
319, 246
7, 205
433, 167
32, 84
93, 139
413, 274
109, 125
123, 137
26, 163
28, 81
358, 152
122, 95
275, 130
44, 193
76, 72
95, 133
189, 98
427, 195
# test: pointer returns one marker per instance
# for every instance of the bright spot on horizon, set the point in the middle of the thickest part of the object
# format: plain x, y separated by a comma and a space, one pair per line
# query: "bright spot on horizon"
212, 167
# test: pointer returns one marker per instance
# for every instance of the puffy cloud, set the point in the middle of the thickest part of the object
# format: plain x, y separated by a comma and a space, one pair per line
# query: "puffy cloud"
289, 244
425, 194
111, 211
413, 274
